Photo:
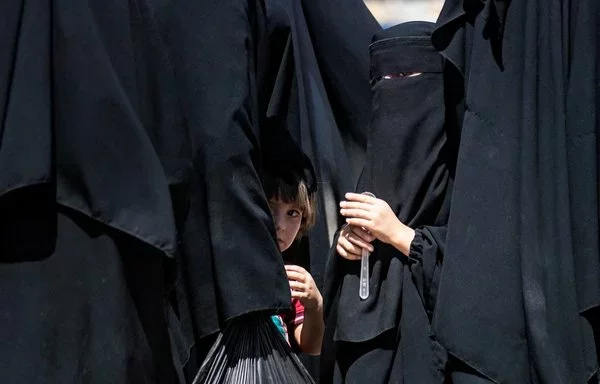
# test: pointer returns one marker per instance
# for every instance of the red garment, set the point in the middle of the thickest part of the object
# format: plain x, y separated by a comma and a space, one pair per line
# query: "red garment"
295, 316
290, 319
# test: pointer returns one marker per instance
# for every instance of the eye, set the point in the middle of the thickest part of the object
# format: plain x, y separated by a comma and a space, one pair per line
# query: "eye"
294, 213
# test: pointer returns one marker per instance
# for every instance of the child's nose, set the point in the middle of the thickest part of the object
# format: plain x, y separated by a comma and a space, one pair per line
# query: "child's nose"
279, 224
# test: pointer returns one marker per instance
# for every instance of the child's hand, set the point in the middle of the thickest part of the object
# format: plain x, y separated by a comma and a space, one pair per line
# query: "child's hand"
352, 240
303, 287
373, 215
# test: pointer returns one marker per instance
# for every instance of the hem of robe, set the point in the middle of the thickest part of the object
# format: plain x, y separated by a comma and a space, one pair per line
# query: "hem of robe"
168, 250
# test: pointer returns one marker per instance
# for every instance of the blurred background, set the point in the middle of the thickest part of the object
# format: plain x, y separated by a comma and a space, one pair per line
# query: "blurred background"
392, 12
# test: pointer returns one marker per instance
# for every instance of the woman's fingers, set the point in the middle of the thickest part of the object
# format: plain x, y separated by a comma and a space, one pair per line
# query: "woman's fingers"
362, 214
360, 243
345, 254
356, 205
359, 222
362, 234
349, 246
360, 198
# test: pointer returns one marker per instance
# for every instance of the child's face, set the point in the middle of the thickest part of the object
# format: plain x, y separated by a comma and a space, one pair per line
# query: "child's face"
288, 219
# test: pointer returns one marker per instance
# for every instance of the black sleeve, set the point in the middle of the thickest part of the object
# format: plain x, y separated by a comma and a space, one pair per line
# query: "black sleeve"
213, 45
427, 254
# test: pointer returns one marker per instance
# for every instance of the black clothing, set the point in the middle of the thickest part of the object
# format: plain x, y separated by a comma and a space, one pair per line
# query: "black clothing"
410, 161
91, 144
519, 295
242, 78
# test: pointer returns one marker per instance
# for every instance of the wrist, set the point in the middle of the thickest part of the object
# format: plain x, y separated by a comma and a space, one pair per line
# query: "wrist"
403, 238
316, 308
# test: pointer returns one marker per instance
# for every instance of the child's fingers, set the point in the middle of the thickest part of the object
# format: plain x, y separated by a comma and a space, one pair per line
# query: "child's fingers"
296, 276
297, 286
299, 295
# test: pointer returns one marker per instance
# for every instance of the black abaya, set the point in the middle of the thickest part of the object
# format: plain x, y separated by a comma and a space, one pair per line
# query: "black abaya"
91, 144
518, 299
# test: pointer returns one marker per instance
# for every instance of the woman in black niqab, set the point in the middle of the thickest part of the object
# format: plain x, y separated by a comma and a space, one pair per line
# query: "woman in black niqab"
410, 162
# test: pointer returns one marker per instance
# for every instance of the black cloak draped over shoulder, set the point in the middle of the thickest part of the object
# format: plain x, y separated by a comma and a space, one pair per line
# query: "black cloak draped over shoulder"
246, 72
91, 146
411, 154
520, 291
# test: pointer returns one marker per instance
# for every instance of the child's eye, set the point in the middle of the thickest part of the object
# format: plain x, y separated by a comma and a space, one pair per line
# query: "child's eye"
293, 213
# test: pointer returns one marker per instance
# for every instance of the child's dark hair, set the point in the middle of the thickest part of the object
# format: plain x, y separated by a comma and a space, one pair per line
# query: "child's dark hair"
293, 190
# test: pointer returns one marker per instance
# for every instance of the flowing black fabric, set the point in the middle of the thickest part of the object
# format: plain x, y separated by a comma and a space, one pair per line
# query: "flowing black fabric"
91, 147
341, 32
308, 95
128, 189
247, 71
230, 264
410, 160
519, 295
90, 311
116, 168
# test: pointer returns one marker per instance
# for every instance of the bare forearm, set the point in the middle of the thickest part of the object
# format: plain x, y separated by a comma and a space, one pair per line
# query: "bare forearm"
311, 332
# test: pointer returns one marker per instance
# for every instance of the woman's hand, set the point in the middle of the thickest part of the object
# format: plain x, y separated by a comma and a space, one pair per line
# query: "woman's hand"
375, 216
304, 288
351, 242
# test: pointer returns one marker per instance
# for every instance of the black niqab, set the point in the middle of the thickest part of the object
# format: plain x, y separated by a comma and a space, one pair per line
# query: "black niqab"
410, 156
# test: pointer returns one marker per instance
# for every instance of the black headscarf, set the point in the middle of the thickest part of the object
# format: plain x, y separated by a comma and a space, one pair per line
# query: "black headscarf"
520, 291
410, 160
